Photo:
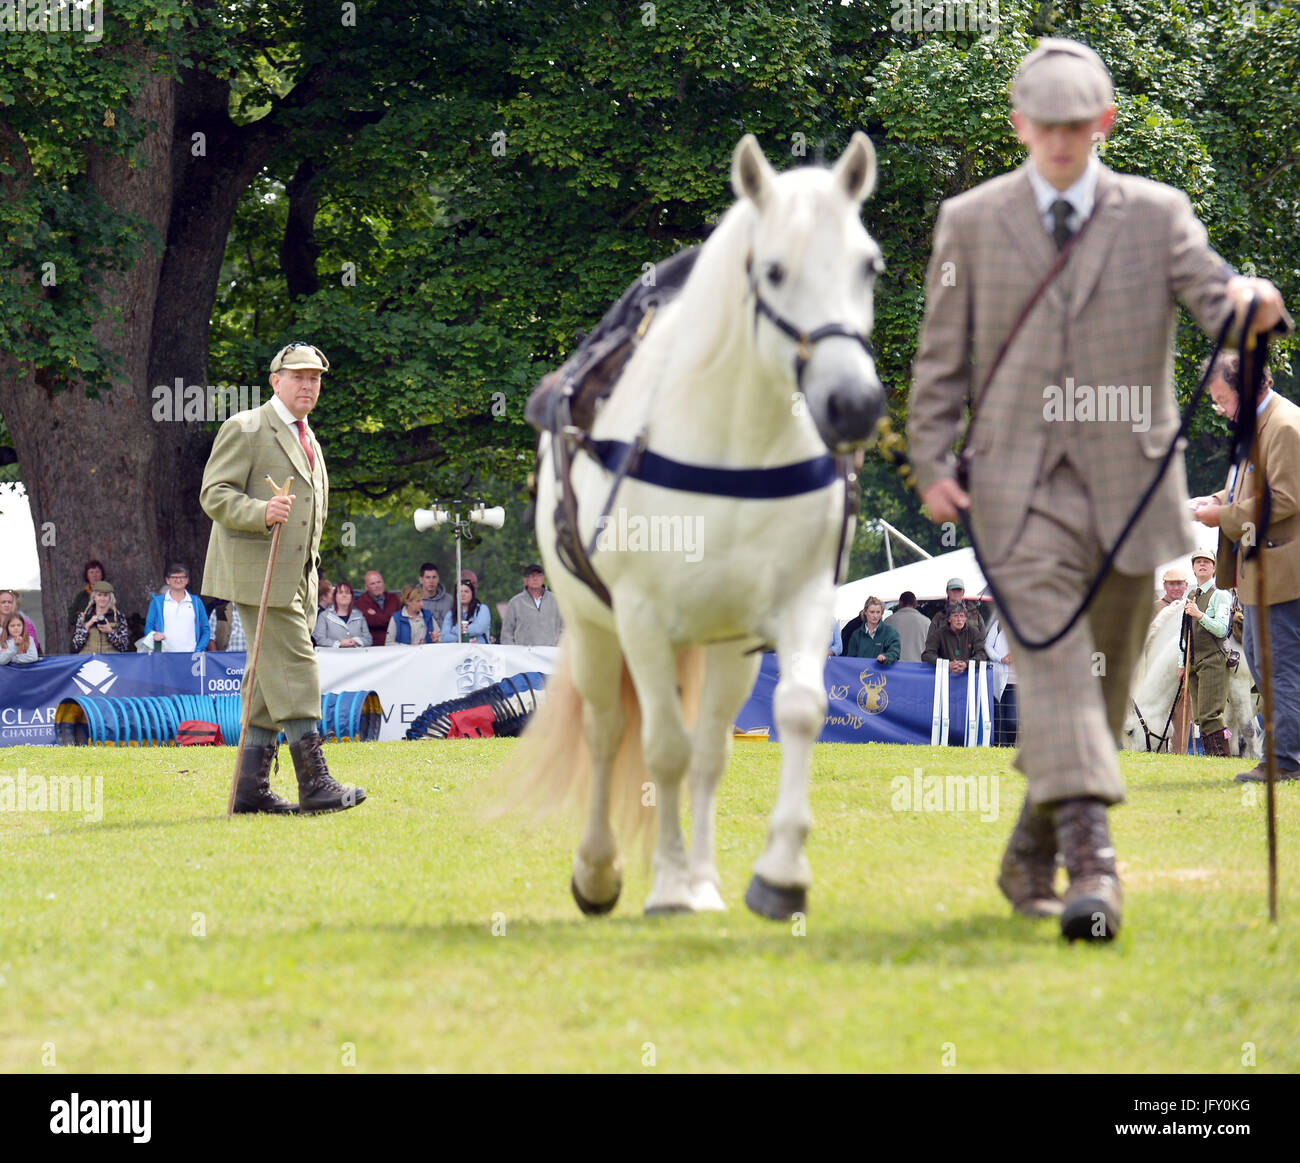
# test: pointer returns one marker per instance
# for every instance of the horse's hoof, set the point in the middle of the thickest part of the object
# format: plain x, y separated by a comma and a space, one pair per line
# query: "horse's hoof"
705, 898
667, 910
773, 902
593, 908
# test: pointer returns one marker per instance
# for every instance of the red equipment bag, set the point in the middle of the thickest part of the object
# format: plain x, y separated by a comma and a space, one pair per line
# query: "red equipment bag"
475, 723
195, 732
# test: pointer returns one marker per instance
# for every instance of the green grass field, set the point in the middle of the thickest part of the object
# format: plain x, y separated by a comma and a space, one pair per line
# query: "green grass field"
408, 935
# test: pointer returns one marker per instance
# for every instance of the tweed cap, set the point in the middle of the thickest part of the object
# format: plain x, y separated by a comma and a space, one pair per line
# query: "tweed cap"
1203, 553
299, 355
1174, 574
1062, 81
102, 587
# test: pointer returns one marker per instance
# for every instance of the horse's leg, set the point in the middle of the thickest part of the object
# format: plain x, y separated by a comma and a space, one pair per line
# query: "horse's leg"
782, 875
597, 673
666, 746
728, 679
1241, 708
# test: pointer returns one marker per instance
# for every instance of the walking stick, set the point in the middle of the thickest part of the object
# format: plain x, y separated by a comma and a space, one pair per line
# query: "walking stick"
1183, 700
1254, 353
250, 667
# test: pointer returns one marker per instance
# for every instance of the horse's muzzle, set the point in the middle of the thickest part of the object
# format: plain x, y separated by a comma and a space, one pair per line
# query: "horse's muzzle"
853, 408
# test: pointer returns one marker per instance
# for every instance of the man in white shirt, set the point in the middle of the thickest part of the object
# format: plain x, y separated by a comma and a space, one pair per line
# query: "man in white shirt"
178, 636
177, 622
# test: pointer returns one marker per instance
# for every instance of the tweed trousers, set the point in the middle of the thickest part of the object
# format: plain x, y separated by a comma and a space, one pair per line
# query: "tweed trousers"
1207, 686
287, 683
1073, 695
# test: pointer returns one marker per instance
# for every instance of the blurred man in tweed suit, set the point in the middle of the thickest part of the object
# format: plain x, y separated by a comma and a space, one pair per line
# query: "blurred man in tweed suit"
1065, 439
274, 441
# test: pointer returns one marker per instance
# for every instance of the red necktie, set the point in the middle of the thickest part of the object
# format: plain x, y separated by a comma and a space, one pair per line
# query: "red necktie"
306, 444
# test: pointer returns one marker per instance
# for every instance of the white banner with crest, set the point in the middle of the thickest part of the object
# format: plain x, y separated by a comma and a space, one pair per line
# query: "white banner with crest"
409, 678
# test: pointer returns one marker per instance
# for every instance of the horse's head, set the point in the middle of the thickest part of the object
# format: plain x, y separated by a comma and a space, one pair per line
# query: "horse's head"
812, 271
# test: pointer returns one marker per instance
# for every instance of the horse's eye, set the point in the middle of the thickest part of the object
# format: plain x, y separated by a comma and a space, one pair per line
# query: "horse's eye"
775, 274
870, 269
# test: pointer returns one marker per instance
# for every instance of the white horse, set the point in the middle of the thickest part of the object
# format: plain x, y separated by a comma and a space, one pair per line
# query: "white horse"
758, 367
1155, 685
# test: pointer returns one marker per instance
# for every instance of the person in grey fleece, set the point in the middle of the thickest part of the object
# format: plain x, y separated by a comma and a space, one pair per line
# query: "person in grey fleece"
533, 617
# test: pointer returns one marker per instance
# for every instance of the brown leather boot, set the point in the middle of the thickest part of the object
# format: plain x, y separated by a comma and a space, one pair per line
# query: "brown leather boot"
1028, 873
1215, 743
1093, 903
253, 790
318, 791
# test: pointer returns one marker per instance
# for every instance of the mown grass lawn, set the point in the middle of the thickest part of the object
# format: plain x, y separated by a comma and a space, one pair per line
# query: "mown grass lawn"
410, 935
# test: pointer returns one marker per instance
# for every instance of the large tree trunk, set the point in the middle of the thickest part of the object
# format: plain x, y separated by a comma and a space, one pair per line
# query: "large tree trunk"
105, 445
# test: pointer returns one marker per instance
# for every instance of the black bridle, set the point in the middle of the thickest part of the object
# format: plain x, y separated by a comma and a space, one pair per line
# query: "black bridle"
804, 340
1150, 734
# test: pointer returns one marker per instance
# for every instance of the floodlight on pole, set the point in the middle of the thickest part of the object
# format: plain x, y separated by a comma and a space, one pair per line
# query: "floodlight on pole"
475, 512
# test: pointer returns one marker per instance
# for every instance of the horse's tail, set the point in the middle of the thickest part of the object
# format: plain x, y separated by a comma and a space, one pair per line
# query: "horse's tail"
551, 768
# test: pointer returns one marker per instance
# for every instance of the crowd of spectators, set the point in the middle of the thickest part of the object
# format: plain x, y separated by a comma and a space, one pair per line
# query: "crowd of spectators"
956, 632
177, 620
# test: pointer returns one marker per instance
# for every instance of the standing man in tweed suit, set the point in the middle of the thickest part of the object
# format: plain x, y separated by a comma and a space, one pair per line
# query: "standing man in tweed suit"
274, 441
1065, 438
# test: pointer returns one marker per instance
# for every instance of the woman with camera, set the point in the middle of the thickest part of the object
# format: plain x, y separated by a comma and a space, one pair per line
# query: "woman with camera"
101, 629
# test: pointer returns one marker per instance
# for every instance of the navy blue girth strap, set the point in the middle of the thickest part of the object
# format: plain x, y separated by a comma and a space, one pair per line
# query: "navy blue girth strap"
760, 484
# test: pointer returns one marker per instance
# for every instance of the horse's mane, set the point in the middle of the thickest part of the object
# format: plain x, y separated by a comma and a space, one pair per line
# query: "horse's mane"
1154, 631
1157, 625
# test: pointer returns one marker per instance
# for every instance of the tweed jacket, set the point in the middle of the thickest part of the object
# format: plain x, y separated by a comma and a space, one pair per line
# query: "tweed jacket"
1278, 449
250, 446
1103, 331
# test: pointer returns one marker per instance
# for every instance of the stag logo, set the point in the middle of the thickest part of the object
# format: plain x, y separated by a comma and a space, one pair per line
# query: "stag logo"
872, 698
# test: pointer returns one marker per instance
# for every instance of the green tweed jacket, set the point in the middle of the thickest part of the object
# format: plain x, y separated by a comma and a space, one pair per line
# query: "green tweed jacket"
250, 446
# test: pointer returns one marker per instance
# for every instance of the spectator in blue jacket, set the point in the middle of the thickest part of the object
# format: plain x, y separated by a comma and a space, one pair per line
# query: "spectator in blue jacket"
177, 619
412, 625
474, 617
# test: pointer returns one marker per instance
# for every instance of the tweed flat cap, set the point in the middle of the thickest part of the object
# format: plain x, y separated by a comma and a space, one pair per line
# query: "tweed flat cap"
299, 355
1062, 81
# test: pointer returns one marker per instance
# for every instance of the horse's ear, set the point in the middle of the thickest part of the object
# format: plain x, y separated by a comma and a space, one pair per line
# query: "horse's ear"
751, 175
856, 169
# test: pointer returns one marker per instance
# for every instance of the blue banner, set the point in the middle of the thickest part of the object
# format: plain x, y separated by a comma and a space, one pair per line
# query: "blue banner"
867, 702
30, 693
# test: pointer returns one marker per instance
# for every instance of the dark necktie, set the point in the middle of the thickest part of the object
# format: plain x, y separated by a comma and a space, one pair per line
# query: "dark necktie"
306, 444
1061, 211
